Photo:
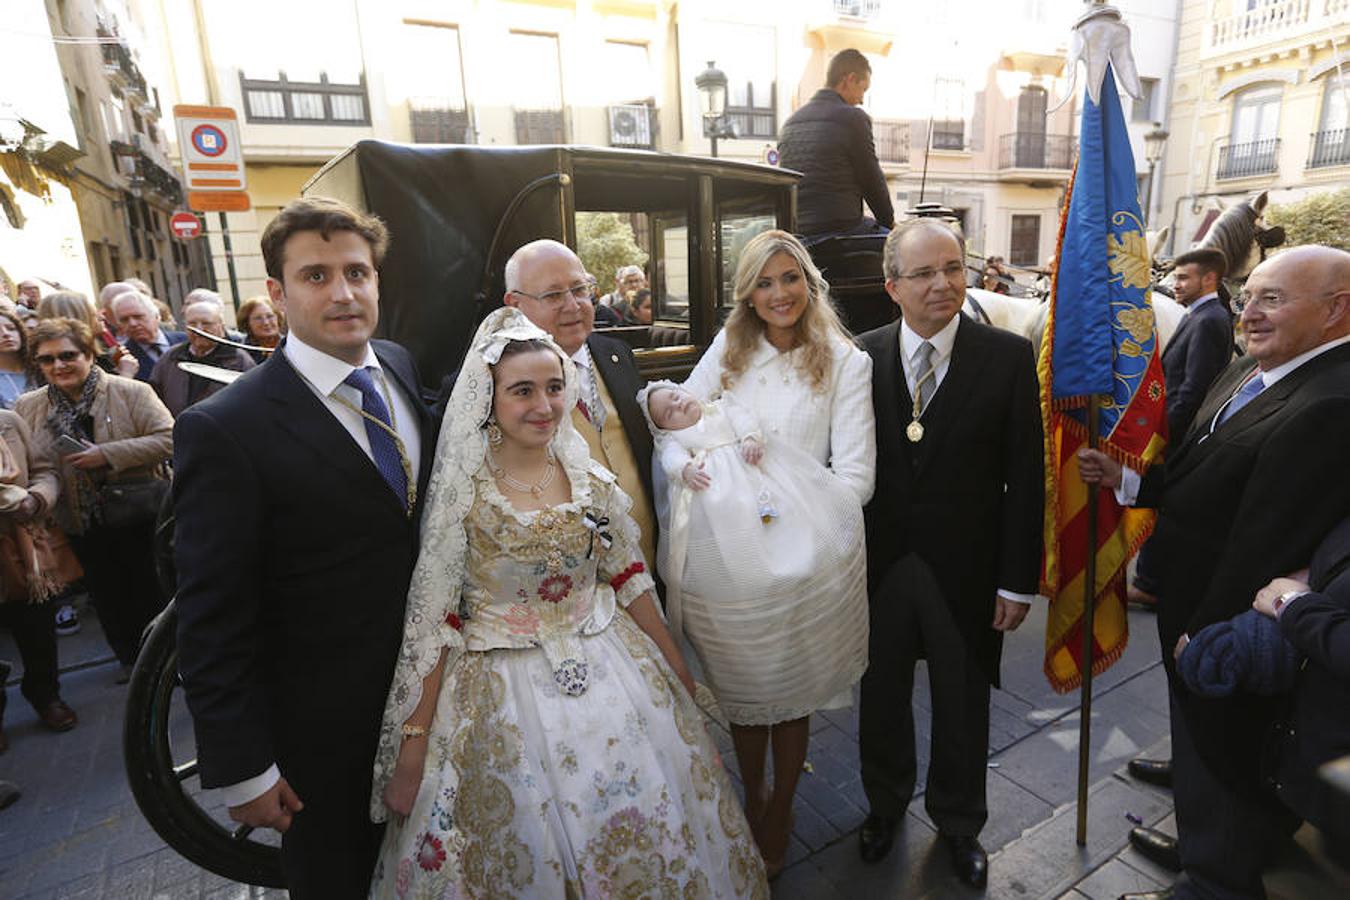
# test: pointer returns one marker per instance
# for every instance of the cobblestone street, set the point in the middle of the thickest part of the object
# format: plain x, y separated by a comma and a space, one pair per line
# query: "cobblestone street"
76, 832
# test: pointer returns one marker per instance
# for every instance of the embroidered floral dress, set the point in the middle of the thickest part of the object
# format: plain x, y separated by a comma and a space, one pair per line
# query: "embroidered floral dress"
565, 758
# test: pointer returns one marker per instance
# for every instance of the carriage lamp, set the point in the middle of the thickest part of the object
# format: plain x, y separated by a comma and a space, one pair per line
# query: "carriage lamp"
1154, 142
712, 101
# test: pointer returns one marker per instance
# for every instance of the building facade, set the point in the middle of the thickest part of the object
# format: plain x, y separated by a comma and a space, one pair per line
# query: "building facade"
125, 184
1261, 101
40, 234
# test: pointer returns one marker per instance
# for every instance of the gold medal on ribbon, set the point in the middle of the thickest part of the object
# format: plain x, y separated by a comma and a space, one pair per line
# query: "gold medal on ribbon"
914, 432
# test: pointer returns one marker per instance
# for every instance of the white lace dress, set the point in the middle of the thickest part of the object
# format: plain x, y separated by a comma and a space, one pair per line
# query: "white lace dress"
565, 758
777, 611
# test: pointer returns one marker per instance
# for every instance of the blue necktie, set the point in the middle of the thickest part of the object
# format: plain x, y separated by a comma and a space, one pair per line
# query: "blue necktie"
1244, 396
388, 459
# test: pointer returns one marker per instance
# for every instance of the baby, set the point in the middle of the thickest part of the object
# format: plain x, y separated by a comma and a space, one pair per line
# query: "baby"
687, 431
754, 538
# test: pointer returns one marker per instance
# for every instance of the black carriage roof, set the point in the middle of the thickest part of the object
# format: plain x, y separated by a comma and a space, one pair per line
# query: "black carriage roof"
455, 212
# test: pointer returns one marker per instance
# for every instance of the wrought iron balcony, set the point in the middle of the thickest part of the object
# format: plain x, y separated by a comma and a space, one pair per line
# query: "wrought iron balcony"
541, 126
440, 125
1330, 148
144, 173
1032, 150
857, 9
892, 140
121, 69
1249, 159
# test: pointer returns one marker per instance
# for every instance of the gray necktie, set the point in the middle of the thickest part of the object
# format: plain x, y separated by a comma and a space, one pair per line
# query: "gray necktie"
925, 380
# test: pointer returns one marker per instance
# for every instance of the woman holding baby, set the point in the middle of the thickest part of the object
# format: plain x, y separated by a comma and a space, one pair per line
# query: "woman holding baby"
770, 452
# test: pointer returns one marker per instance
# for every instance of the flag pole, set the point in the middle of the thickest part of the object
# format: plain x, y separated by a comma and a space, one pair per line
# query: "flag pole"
1089, 642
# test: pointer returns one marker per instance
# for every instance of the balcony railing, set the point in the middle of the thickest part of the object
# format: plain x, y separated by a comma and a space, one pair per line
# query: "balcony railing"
144, 173
540, 126
1249, 159
440, 125
892, 140
1271, 21
1330, 148
122, 70
857, 9
1031, 150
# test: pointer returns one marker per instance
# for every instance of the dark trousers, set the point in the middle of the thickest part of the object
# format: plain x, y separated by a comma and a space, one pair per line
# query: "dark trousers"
34, 627
119, 571
1144, 577
1226, 839
909, 619
329, 851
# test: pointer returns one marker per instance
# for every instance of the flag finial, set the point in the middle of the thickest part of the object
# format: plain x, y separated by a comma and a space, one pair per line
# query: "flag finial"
1100, 36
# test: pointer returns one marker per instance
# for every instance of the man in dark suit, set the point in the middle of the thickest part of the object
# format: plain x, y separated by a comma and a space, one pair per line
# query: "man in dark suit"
1315, 618
1246, 496
829, 140
1197, 353
953, 538
296, 501
547, 282
138, 323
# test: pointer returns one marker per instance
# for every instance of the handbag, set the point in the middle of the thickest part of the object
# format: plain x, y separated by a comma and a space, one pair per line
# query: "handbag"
126, 504
36, 562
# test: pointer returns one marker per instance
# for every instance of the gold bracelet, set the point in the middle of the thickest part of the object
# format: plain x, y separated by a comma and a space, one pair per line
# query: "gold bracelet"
414, 731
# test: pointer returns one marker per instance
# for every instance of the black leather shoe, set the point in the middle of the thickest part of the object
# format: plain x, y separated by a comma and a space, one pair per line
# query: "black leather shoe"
1165, 894
876, 837
1154, 771
968, 859
1156, 846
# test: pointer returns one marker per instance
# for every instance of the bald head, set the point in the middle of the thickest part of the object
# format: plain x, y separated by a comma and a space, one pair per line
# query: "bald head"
1294, 302
549, 270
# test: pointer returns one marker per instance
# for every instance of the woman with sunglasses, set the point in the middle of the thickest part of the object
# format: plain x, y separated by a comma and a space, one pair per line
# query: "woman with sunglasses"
127, 437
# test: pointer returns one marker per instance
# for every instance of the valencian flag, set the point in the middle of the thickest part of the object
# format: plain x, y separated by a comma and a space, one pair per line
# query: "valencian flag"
1100, 338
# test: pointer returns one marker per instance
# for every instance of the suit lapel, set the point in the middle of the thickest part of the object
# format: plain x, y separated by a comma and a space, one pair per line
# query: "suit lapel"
1179, 336
426, 426
890, 389
303, 416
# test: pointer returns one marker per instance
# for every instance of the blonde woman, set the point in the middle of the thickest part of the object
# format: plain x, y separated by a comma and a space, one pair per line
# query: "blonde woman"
787, 357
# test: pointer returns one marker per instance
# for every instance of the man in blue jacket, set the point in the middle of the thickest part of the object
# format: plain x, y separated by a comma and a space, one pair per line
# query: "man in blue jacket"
829, 140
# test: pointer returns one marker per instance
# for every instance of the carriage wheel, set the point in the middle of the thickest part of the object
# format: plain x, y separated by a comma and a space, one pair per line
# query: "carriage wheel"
158, 782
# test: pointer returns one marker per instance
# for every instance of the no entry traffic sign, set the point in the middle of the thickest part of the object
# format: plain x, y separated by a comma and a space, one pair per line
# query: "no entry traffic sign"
185, 226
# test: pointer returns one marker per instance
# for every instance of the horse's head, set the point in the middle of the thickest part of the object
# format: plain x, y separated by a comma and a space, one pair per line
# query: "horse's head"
1241, 233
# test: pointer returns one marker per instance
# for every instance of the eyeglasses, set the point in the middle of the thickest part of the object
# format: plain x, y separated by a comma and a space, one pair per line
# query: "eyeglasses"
1267, 302
66, 356
949, 271
582, 291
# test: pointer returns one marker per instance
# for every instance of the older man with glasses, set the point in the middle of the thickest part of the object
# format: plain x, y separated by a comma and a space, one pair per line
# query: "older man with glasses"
1245, 496
547, 282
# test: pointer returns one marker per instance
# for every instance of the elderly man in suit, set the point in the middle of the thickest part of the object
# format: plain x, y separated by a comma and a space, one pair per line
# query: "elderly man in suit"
179, 388
1246, 496
296, 495
547, 282
953, 538
138, 323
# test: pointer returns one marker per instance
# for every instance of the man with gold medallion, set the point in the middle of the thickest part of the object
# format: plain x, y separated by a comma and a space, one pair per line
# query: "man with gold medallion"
547, 282
953, 538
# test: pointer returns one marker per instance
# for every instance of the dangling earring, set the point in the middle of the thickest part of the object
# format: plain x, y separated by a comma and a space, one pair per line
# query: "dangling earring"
494, 433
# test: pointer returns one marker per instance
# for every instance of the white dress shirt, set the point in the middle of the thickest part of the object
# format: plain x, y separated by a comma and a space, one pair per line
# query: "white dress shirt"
324, 375
1212, 295
943, 342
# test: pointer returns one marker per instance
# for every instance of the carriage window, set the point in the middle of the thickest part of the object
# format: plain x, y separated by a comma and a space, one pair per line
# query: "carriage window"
733, 232
613, 248
672, 269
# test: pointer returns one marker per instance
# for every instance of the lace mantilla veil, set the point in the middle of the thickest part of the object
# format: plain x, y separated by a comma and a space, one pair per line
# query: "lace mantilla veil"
438, 577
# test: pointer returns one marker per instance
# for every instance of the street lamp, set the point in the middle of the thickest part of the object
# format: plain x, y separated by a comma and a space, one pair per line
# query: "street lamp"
1154, 142
712, 102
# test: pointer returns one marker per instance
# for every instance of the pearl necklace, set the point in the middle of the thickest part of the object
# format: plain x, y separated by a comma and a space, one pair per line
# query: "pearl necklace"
537, 489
